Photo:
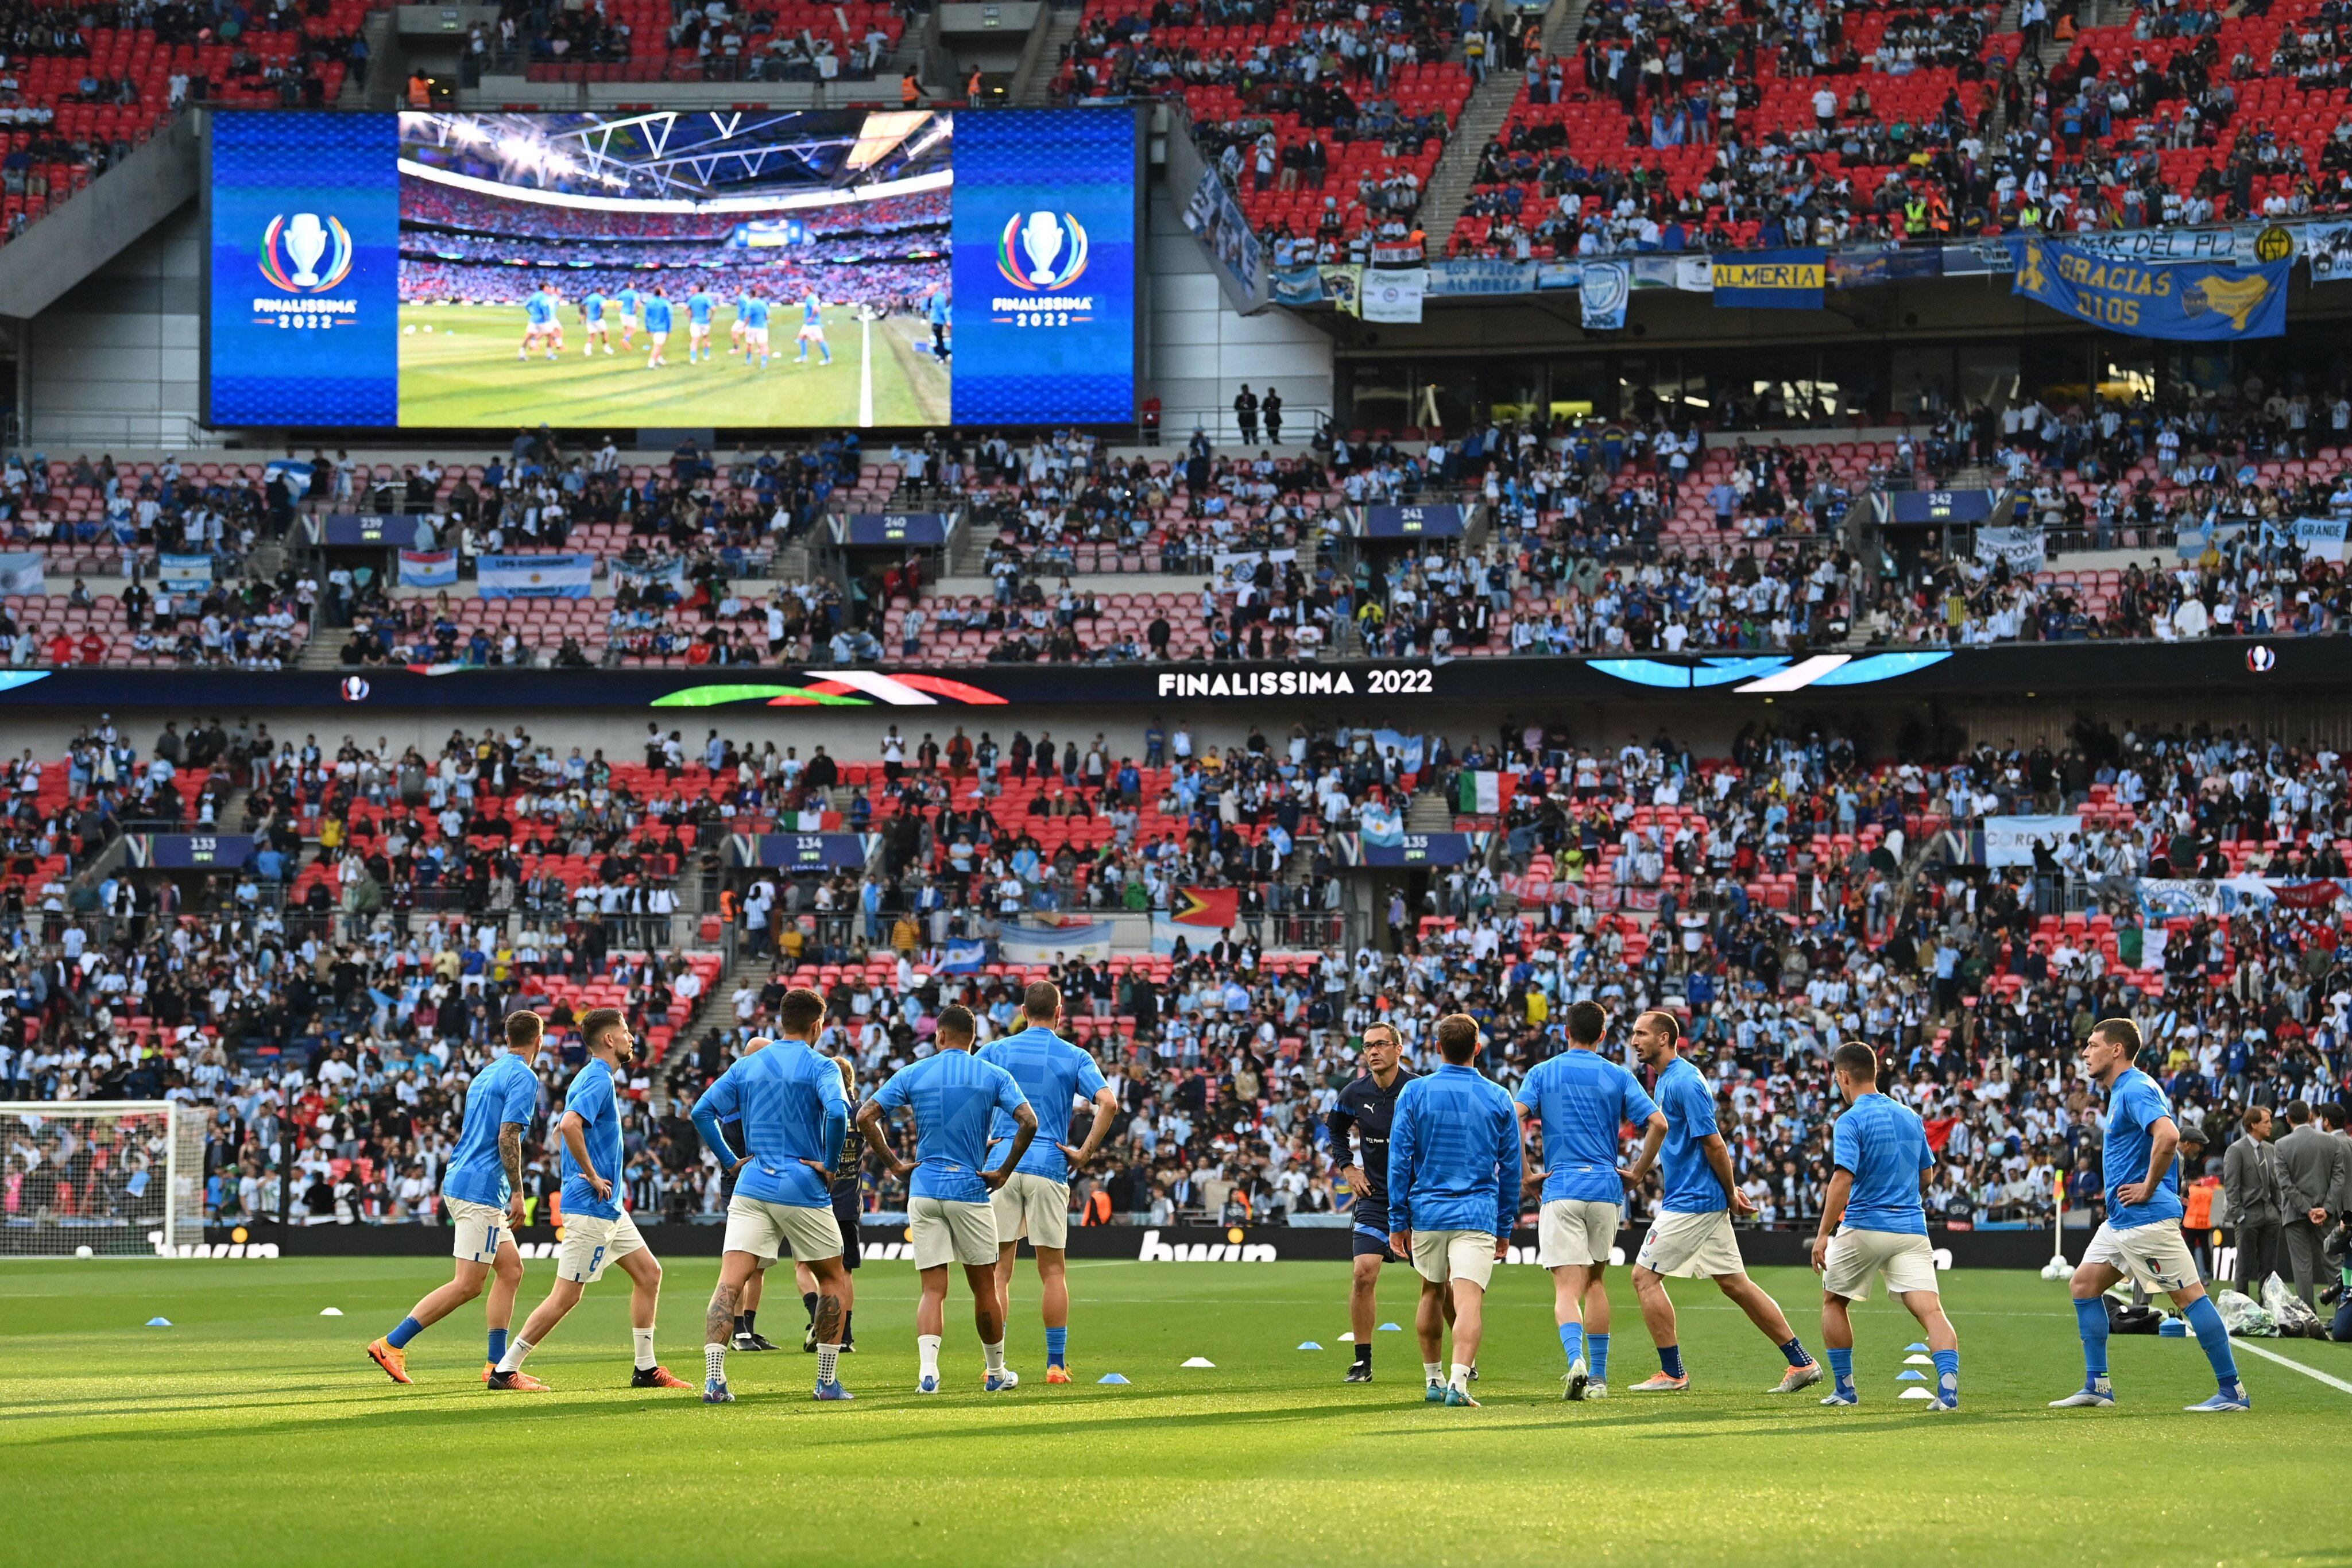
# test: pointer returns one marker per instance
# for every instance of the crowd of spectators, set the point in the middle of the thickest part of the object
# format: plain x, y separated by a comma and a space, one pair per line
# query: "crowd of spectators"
342, 1062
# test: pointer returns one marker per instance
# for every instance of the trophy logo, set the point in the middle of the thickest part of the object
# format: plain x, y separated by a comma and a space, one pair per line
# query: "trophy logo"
1042, 251
306, 254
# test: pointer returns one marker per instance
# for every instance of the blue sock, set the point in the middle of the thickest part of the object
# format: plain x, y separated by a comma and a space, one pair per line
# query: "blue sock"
1596, 1350
1842, 1368
1795, 1351
1572, 1342
2205, 1322
498, 1345
1670, 1357
2091, 1322
1948, 1374
408, 1330
1058, 1346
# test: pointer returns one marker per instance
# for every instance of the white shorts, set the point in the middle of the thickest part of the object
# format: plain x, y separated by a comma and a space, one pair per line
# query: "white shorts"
590, 1244
1854, 1257
481, 1229
1032, 1206
947, 1232
1440, 1256
1575, 1231
1691, 1246
2156, 1255
763, 1228
812, 333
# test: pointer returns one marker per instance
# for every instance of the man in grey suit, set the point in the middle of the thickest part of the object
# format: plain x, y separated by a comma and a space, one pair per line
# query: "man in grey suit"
2310, 1161
2251, 1186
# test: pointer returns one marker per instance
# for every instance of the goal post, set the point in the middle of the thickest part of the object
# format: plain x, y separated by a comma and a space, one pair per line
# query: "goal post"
118, 1177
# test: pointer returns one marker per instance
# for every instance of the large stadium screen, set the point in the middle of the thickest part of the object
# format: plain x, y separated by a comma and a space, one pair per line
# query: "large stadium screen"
743, 268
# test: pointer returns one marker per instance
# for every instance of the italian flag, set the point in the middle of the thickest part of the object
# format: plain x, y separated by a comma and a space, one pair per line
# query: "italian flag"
1483, 794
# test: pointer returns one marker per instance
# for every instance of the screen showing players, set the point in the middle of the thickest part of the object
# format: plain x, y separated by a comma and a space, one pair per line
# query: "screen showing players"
743, 269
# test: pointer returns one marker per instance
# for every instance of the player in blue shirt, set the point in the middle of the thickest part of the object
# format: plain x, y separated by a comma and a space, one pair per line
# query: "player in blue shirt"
541, 326
1874, 1223
754, 322
482, 1190
592, 324
698, 306
657, 320
954, 1097
598, 1230
2141, 1235
1582, 1102
811, 329
737, 328
1035, 1200
1361, 1118
1691, 1236
796, 1117
936, 310
1453, 1191
628, 299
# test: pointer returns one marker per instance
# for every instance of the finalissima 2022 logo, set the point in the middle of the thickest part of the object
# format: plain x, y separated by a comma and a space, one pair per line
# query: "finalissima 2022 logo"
319, 249
1042, 251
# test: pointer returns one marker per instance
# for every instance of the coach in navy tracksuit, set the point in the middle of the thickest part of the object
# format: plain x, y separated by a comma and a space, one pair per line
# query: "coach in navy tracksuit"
1362, 1116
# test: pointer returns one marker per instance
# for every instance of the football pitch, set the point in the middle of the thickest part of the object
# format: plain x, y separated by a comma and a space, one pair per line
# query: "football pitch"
458, 369
255, 1430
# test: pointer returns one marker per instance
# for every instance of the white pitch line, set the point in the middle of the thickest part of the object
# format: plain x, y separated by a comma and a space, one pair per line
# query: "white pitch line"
2311, 1372
865, 373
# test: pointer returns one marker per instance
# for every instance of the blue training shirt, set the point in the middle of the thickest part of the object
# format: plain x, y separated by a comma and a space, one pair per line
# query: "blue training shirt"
591, 1097
1584, 1100
1682, 1093
755, 313
2135, 1105
953, 1095
792, 1108
1453, 1154
657, 314
1884, 1148
1051, 1072
699, 306
506, 1091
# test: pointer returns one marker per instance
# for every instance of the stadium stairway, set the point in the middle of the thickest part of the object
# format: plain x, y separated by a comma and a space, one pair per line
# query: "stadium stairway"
1036, 87
93, 225
1431, 813
1457, 168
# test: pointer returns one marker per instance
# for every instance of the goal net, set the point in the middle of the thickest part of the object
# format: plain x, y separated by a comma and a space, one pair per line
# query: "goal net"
111, 1178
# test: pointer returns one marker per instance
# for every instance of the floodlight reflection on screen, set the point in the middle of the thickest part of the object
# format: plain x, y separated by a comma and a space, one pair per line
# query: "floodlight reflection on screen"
737, 269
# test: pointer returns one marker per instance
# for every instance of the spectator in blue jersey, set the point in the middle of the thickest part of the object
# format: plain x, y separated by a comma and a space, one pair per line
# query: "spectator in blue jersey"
1035, 1201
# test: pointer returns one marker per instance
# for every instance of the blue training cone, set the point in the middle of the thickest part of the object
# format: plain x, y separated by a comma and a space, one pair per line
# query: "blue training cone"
1310, 1345
158, 1322
1914, 1348
1110, 1377
1907, 1376
1391, 1328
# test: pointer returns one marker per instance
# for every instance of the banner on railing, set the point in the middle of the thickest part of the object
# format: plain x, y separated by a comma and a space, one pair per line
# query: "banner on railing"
1054, 944
2171, 898
2010, 841
23, 571
428, 568
2193, 303
534, 576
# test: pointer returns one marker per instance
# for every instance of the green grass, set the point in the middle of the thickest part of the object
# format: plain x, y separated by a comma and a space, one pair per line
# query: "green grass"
255, 1430
463, 373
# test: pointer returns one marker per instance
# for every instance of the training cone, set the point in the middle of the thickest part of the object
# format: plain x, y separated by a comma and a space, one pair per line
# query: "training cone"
1199, 1361
1918, 1361
1110, 1377
1347, 1338
1915, 1394
1310, 1345
1909, 1376
1913, 1347
1391, 1328
330, 1312
158, 1322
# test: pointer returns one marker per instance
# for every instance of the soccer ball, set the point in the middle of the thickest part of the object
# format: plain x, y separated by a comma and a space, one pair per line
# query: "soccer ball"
84, 1252
409, 330
2260, 658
